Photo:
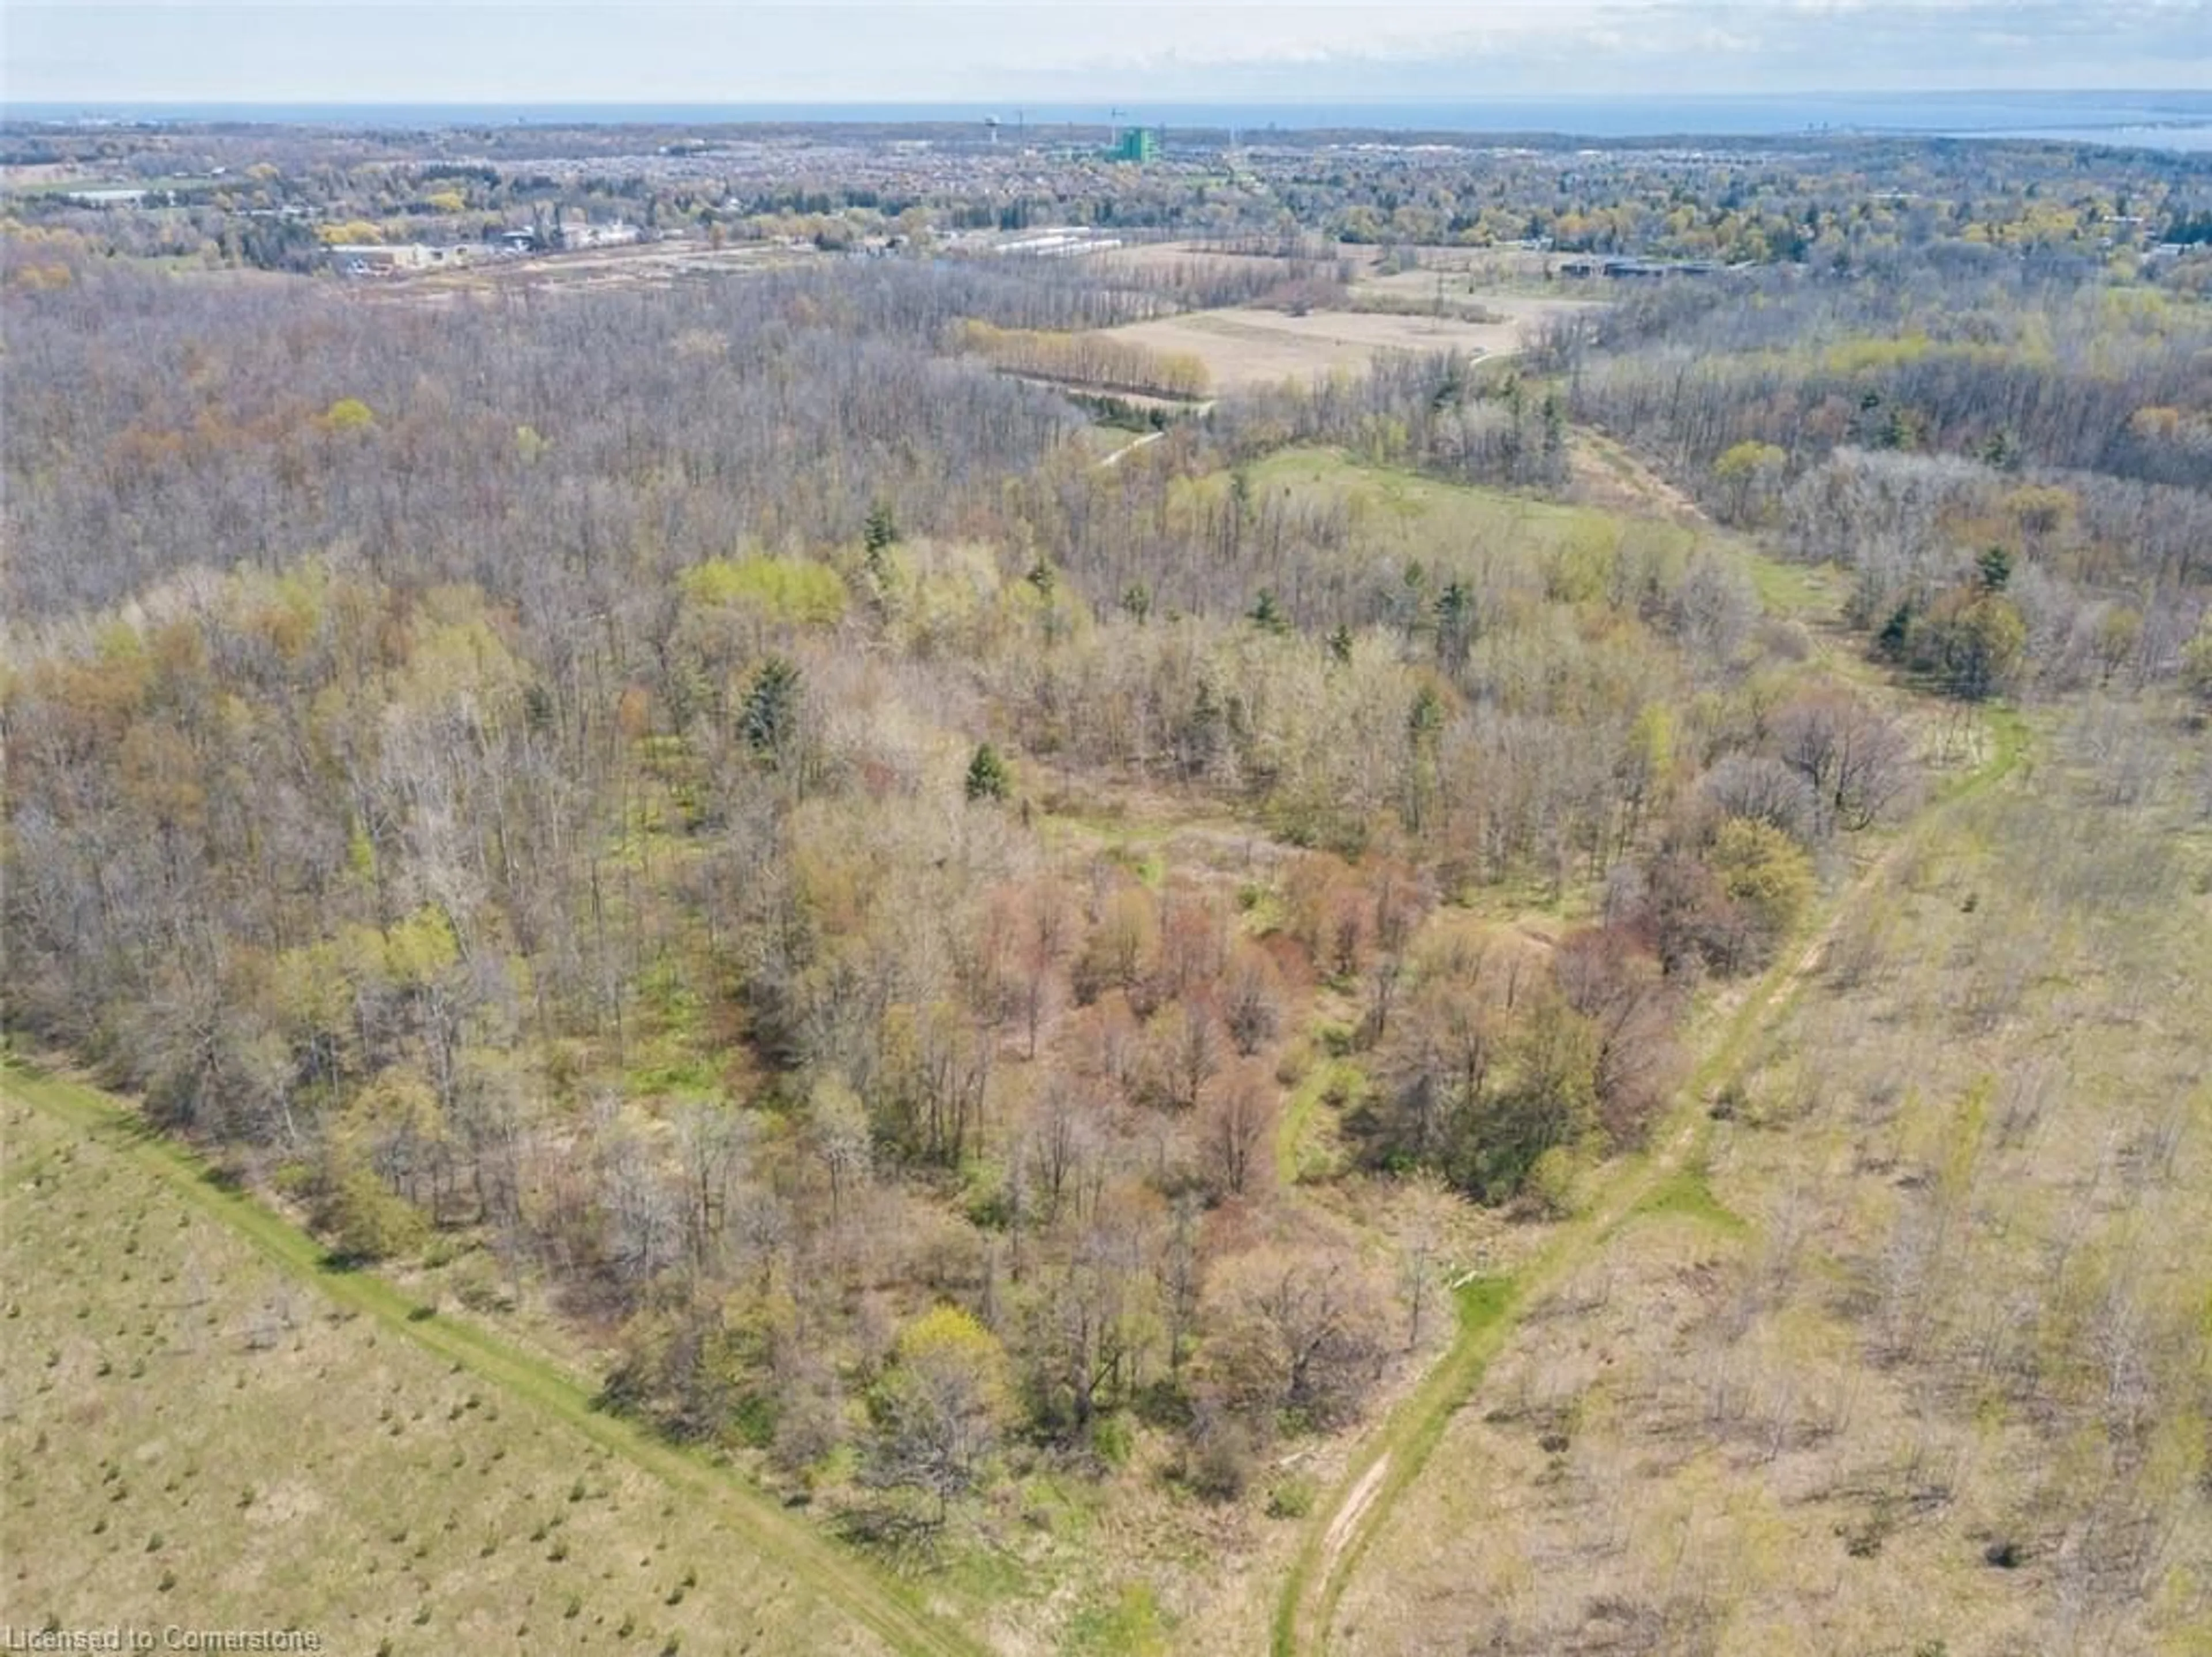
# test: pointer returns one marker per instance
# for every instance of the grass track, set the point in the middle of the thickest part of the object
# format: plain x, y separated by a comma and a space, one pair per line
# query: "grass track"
1490, 1308
837, 1577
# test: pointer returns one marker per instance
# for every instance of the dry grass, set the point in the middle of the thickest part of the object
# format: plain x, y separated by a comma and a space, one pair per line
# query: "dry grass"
1481, 269
645, 264
194, 1436
1949, 1387
1169, 257
1244, 347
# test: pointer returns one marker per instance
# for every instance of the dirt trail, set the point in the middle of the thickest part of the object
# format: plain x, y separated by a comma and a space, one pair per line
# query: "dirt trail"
1607, 475
1132, 447
1388, 1466
1355, 1504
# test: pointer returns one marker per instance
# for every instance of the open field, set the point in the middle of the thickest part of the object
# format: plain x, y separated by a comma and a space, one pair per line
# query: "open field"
1901, 1357
1244, 347
1172, 256
1399, 514
1493, 266
1483, 265
257, 1442
1497, 281
647, 265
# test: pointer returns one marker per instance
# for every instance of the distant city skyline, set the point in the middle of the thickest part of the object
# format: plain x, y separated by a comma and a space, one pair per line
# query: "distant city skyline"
637, 51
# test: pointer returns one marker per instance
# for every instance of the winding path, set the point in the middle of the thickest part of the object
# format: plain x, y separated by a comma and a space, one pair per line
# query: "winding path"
1380, 1470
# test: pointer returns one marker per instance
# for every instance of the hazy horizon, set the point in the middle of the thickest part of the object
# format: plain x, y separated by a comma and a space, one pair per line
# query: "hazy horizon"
649, 51
2178, 119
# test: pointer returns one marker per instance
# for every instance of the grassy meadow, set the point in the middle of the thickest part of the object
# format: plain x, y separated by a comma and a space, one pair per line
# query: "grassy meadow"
251, 1446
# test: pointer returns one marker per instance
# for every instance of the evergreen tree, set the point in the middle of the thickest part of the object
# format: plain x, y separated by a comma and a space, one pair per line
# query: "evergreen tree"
986, 774
1267, 613
1896, 635
880, 530
768, 720
1455, 611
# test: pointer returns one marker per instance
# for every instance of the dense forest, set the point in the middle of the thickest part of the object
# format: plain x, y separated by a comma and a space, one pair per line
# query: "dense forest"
726, 808
514, 791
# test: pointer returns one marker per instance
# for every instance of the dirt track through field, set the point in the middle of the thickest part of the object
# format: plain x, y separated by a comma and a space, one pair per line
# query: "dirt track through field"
1357, 1512
1355, 1505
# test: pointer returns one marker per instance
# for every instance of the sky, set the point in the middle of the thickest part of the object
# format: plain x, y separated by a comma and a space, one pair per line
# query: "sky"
642, 51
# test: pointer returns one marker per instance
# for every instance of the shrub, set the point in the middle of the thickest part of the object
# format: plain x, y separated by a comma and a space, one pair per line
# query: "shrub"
788, 590
367, 1222
1113, 1441
1766, 876
1220, 1466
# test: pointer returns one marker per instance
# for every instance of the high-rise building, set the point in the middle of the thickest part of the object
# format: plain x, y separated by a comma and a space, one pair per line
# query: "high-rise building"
1137, 143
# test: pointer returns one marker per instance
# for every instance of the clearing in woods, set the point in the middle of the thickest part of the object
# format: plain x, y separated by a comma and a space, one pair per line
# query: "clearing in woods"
259, 1439
1244, 347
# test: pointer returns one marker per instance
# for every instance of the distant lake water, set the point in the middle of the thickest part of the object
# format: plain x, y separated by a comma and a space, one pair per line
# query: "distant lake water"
2195, 139
2175, 121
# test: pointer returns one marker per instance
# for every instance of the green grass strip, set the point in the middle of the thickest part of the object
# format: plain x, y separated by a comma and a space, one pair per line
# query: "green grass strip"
1653, 1181
838, 1579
